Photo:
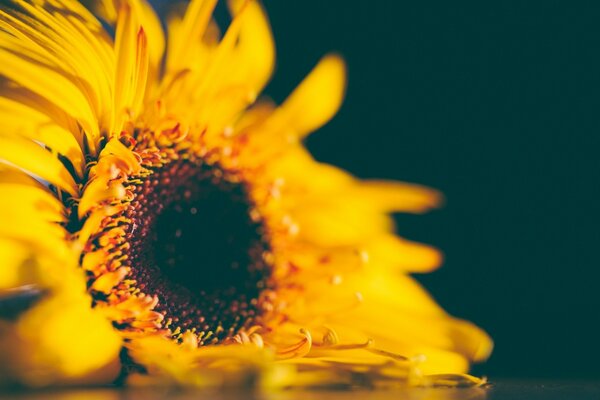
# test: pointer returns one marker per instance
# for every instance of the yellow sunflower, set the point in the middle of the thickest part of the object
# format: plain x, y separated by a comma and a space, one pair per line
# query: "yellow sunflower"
161, 224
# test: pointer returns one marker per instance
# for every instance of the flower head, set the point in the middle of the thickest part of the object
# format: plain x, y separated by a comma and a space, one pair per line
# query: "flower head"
160, 222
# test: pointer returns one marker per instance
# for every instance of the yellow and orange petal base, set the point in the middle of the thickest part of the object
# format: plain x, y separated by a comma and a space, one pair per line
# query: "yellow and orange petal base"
163, 224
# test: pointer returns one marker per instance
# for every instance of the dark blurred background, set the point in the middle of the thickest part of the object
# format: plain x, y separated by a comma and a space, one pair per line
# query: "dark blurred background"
497, 105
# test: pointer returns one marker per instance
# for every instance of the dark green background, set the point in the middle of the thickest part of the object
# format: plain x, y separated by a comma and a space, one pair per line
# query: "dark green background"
497, 105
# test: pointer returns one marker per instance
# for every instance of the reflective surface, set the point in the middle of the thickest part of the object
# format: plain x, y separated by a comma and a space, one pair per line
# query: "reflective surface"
514, 390
156, 394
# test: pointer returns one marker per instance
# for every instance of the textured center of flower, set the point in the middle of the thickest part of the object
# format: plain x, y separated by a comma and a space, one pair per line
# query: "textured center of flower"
198, 244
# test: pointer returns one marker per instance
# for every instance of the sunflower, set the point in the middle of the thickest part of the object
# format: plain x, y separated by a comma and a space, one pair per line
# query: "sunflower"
162, 223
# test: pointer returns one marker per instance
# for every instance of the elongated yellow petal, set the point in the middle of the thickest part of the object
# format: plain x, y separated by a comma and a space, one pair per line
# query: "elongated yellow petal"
46, 350
192, 28
97, 192
392, 252
63, 37
42, 38
13, 175
37, 202
236, 70
255, 52
18, 119
338, 224
54, 114
315, 101
205, 84
302, 175
154, 31
447, 335
387, 294
42, 236
13, 256
50, 84
35, 159
108, 9
131, 48
396, 196
126, 158
29, 215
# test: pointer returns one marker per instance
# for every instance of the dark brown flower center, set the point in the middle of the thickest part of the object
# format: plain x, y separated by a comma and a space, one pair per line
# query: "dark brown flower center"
198, 244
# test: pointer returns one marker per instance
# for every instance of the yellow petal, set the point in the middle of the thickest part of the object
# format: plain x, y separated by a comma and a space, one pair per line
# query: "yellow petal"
53, 113
19, 119
49, 345
93, 222
76, 46
314, 102
153, 29
11, 174
50, 84
193, 26
107, 281
205, 84
33, 202
401, 296
391, 252
128, 162
31, 215
98, 192
144, 13
38, 161
397, 196
254, 55
131, 48
301, 175
338, 224
13, 257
